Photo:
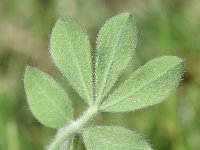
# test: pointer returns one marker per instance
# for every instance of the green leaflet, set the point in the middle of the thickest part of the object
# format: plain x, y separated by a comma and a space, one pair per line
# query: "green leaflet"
113, 138
115, 47
149, 85
70, 50
47, 99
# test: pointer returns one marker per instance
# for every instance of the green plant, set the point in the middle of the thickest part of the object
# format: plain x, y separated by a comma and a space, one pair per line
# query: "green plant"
70, 51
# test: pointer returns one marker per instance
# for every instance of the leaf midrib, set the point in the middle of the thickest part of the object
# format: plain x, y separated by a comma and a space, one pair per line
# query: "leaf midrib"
114, 50
77, 64
130, 93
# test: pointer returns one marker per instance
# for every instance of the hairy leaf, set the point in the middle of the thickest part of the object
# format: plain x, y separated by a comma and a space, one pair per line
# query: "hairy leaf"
115, 47
113, 138
47, 99
149, 85
70, 50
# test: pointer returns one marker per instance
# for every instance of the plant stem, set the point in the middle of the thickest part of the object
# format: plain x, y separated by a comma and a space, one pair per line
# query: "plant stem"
74, 127
75, 142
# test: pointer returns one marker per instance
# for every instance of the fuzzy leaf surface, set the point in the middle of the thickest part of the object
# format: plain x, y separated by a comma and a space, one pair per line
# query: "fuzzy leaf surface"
70, 50
149, 85
115, 47
47, 99
113, 138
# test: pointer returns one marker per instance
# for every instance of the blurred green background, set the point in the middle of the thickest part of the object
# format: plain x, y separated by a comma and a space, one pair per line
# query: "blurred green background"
166, 27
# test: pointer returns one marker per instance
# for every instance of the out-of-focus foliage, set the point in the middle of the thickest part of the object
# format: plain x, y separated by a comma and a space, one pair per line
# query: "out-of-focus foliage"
165, 27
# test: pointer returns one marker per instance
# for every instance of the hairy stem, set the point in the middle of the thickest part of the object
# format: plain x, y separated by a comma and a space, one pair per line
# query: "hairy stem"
74, 127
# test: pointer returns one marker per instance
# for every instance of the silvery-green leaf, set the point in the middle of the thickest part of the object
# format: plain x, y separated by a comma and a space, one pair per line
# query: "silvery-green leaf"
47, 99
149, 85
115, 47
70, 50
113, 138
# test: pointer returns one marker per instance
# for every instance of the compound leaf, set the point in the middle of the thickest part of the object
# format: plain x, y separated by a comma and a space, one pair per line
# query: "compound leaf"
70, 50
113, 138
47, 99
149, 85
115, 47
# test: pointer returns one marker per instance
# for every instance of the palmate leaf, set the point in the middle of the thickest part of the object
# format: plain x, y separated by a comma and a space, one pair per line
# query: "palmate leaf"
115, 47
47, 99
113, 138
70, 50
149, 85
